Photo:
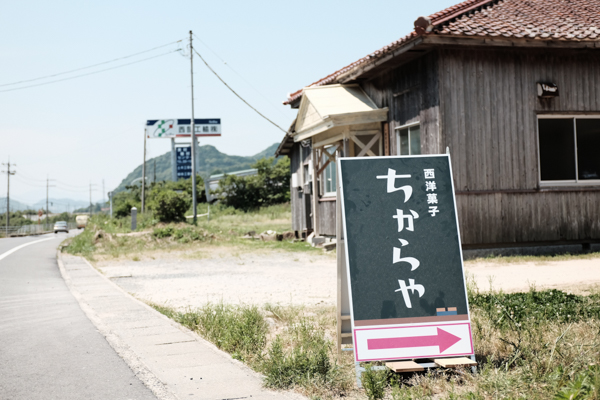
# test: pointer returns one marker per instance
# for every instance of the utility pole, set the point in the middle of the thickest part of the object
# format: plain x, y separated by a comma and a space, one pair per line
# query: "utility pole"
47, 208
144, 176
193, 134
110, 197
103, 192
91, 184
8, 174
154, 180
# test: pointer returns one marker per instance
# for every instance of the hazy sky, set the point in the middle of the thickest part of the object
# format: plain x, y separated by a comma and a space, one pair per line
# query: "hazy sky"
91, 128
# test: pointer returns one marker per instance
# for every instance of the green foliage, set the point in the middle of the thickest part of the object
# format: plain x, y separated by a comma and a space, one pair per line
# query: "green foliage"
181, 234
82, 244
584, 386
212, 161
123, 202
239, 330
374, 382
306, 362
167, 205
270, 186
507, 309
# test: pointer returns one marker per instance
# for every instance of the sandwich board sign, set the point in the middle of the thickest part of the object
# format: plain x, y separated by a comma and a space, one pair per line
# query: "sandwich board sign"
406, 282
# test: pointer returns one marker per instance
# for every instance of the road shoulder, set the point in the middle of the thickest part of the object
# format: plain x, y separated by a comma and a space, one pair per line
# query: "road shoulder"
170, 359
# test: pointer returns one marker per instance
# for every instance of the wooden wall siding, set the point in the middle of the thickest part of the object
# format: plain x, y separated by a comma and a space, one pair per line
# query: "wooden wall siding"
489, 107
326, 218
411, 92
296, 196
505, 218
300, 202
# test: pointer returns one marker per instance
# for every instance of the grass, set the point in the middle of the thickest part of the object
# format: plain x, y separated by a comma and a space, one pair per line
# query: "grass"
532, 345
293, 351
539, 259
109, 238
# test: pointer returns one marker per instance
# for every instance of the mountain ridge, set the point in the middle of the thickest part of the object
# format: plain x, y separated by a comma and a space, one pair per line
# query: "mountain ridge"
211, 161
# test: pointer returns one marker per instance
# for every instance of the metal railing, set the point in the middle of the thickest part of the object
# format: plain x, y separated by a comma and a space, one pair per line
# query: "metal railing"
33, 229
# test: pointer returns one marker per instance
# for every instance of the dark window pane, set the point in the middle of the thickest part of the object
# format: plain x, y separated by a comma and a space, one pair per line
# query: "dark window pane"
404, 142
557, 149
415, 140
588, 148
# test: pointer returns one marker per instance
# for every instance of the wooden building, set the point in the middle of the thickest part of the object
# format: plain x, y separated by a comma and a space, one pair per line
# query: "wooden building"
510, 88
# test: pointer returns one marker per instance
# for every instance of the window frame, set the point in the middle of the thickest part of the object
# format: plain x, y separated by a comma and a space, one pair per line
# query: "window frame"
405, 126
576, 181
326, 194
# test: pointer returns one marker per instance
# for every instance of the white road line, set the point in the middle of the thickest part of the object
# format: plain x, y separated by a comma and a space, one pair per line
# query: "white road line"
23, 245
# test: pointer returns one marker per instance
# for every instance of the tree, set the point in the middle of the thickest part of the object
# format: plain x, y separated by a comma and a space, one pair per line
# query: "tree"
271, 185
167, 205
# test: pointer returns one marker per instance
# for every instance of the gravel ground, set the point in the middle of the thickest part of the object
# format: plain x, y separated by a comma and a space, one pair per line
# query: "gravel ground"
304, 278
252, 278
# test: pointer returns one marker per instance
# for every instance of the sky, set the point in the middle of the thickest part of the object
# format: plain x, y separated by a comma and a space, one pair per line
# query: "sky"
89, 130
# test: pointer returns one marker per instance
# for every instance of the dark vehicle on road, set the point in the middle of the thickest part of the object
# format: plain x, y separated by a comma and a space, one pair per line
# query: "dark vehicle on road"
61, 226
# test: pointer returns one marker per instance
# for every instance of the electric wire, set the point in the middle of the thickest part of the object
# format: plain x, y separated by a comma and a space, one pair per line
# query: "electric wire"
90, 73
90, 66
68, 184
234, 92
21, 175
43, 185
244, 79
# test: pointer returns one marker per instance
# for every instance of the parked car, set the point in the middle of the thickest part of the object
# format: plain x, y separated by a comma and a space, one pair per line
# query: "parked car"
61, 226
81, 221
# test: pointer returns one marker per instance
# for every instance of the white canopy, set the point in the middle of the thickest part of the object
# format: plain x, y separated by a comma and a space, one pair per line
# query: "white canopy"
325, 107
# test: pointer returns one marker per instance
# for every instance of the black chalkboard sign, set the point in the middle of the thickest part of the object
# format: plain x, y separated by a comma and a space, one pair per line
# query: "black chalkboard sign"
404, 259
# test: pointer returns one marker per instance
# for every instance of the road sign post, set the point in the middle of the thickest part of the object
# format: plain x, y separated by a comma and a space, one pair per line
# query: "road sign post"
403, 257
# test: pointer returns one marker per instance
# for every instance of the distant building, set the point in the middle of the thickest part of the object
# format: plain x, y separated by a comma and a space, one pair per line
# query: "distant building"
212, 183
511, 88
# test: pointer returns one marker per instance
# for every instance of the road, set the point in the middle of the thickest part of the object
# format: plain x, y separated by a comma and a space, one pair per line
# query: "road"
49, 349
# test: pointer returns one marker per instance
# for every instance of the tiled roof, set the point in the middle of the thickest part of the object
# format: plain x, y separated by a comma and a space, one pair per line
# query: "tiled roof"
539, 19
573, 20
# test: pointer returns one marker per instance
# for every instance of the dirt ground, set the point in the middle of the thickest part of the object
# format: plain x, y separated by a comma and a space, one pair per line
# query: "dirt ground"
181, 281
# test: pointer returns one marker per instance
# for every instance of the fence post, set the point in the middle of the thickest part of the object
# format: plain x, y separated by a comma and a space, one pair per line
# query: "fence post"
133, 218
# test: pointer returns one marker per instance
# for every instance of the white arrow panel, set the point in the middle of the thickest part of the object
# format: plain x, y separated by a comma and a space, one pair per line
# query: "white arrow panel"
400, 342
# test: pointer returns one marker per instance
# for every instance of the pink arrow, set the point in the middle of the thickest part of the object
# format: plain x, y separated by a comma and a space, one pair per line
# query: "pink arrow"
443, 339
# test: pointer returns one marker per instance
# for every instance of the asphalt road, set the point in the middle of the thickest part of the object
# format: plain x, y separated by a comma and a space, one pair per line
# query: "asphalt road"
49, 349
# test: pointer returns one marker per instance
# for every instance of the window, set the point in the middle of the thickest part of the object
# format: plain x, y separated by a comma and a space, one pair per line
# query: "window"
409, 140
329, 174
569, 149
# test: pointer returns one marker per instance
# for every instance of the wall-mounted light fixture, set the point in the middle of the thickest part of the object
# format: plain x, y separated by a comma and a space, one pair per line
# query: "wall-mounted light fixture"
547, 89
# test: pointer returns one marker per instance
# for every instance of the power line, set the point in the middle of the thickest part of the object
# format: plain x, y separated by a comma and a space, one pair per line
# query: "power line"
89, 66
90, 73
244, 79
40, 185
68, 184
234, 92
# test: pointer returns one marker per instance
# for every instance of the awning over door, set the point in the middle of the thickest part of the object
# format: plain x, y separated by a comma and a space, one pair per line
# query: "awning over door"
324, 108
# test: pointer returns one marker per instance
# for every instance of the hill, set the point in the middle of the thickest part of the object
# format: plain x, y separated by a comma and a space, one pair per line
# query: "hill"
211, 161
14, 205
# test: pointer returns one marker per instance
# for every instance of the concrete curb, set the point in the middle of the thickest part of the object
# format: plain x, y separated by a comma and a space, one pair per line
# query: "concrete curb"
136, 363
141, 371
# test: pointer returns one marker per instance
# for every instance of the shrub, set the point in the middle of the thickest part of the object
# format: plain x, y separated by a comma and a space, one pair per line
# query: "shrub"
270, 186
168, 206
306, 362
374, 382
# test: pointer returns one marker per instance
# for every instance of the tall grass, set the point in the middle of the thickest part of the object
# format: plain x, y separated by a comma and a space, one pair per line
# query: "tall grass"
105, 237
534, 345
